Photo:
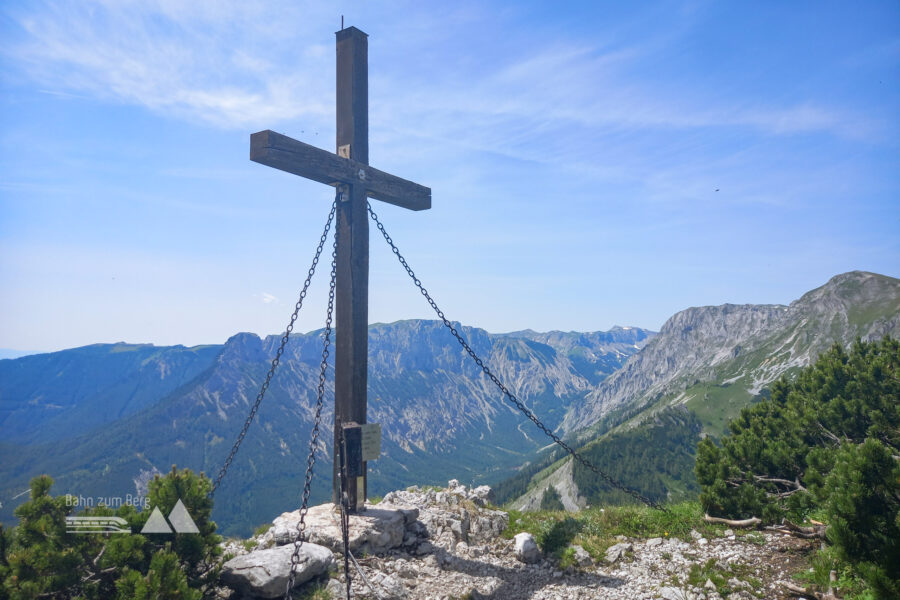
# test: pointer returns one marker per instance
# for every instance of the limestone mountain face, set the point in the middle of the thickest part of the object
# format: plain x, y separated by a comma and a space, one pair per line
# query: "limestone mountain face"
561, 479
594, 355
422, 386
705, 365
715, 359
440, 416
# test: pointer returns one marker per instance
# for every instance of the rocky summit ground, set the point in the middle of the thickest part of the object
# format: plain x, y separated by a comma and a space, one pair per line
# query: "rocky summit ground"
449, 544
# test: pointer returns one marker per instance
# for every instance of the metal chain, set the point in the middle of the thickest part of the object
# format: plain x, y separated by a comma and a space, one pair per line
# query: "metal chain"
345, 516
509, 395
359, 570
277, 359
314, 438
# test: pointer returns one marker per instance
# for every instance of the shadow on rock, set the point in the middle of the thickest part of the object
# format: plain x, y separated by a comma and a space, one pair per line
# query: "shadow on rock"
519, 583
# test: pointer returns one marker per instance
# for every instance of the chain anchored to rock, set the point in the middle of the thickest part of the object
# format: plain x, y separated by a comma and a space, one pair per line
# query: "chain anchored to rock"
314, 438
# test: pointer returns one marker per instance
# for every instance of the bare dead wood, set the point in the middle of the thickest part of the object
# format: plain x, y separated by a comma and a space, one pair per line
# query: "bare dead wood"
752, 522
797, 534
95, 577
785, 494
816, 531
835, 439
794, 484
96, 561
796, 590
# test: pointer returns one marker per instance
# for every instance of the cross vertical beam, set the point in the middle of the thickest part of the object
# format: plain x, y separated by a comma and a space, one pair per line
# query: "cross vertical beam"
352, 285
349, 171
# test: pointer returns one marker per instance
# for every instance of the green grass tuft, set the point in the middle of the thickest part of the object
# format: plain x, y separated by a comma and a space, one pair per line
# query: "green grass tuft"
849, 585
720, 574
597, 529
314, 591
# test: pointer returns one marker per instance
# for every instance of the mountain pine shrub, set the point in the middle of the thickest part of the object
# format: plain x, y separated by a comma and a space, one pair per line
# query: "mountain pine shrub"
551, 500
38, 559
826, 441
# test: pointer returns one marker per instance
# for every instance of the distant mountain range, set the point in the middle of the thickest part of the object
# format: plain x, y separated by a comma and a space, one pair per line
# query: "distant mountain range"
100, 419
709, 362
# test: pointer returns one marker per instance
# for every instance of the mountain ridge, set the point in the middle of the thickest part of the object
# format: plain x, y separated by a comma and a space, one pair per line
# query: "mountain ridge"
725, 344
705, 365
442, 417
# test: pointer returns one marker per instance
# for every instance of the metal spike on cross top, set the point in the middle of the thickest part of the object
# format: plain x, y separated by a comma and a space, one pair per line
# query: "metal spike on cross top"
348, 170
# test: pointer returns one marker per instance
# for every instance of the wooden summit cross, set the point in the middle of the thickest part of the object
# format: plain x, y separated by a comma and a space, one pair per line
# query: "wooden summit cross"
349, 171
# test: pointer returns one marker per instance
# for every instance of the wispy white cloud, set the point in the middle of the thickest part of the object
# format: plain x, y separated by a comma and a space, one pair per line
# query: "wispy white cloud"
585, 106
268, 298
244, 64
196, 60
570, 93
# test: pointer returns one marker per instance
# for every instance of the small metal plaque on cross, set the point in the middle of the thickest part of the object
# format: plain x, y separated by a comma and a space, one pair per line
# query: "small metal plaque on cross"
371, 441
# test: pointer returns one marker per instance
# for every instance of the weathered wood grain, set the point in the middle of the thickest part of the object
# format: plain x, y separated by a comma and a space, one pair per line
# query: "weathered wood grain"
287, 154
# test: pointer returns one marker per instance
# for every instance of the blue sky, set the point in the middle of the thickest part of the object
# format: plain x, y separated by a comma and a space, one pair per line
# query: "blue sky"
599, 164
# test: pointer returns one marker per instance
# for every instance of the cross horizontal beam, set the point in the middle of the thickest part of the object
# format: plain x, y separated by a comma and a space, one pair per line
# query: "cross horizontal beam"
287, 154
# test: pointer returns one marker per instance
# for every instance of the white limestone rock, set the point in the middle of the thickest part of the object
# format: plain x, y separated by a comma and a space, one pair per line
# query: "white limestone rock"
481, 495
390, 588
670, 593
448, 517
265, 573
526, 548
617, 551
376, 530
582, 558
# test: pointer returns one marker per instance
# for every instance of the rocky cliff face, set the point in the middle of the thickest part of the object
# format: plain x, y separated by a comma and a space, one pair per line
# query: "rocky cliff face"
594, 355
422, 385
561, 479
741, 349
